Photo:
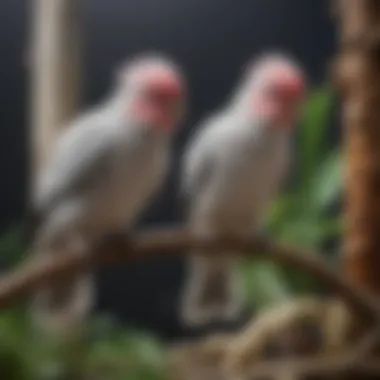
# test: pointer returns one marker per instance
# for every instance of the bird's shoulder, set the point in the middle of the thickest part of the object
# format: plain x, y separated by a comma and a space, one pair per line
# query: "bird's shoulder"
86, 131
80, 151
208, 134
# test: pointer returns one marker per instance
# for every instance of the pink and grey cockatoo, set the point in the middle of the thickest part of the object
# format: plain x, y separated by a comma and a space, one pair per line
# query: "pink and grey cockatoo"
106, 167
232, 170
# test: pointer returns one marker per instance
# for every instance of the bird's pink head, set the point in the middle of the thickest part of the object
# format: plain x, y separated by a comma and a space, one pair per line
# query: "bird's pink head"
158, 93
278, 89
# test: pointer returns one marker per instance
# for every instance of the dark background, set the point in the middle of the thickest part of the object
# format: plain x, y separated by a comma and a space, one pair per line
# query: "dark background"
211, 40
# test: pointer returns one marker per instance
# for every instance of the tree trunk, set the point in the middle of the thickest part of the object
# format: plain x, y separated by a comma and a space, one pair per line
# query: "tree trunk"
55, 73
359, 77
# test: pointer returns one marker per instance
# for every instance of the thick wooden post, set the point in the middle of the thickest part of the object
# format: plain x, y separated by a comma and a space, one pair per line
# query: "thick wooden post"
359, 77
55, 72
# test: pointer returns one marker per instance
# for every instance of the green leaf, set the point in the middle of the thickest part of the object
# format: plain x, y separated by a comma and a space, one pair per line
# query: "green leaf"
281, 211
264, 283
328, 182
313, 127
301, 232
331, 227
120, 353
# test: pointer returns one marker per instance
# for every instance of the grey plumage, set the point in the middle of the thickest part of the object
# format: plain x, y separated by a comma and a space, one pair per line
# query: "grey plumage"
232, 170
106, 168
97, 159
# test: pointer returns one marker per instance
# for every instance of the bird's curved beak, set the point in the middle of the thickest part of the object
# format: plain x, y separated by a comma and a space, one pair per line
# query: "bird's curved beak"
282, 107
162, 107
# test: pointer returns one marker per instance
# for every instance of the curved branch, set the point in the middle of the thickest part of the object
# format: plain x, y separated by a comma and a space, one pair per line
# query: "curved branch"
323, 367
168, 241
358, 361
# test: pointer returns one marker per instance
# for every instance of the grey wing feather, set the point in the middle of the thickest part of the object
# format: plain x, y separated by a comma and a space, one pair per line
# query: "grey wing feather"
196, 172
82, 154
199, 161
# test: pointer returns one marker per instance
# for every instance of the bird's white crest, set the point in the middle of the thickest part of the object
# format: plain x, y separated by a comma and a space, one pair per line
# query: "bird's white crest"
259, 70
132, 71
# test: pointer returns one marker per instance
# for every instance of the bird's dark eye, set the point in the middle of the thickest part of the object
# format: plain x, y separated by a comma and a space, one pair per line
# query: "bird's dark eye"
152, 96
277, 93
273, 92
159, 97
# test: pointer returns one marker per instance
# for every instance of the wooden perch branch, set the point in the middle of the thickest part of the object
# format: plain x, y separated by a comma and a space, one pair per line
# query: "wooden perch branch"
356, 358
358, 361
319, 367
162, 242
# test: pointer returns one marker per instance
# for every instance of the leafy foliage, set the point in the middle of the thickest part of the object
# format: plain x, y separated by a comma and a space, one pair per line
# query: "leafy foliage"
110, 353
115, 352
